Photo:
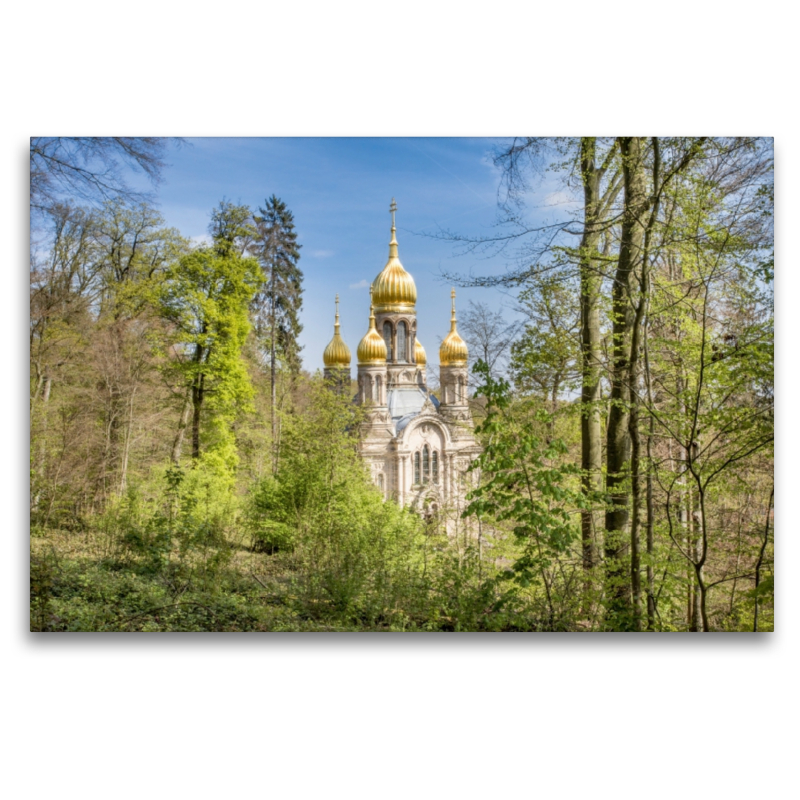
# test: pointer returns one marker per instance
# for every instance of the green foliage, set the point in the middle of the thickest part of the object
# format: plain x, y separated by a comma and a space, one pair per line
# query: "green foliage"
521, 479
205, 297
276, 308
352, 551
525, 482
545, 359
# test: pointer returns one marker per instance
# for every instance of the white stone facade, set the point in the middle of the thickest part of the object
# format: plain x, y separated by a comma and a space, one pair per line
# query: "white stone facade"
418, 448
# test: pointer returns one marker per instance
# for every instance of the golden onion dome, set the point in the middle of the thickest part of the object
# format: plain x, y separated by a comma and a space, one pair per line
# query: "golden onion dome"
394, 289
453, 350
337, 353
419, 354
372, 348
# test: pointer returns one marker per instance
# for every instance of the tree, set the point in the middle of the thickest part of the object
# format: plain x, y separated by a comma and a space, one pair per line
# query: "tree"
488, 335
710, 341
636, 203
546, 359
206, 297
595, 164
231, 228
133, 250
523, 484
92, 367
277, 306
91, 168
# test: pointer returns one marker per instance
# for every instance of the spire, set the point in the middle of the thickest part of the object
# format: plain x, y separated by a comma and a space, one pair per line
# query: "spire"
393, 243
453, 350
337, 353
372, 348
394, 287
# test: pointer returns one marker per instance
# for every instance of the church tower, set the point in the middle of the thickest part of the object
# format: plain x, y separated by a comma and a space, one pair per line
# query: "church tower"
372, 355
337, 358
453, 373
417, 449
395, 296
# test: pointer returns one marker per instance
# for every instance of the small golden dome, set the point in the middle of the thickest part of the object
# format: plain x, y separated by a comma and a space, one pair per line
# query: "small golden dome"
337, 353
372, 348
453, 350
419, 354
394, 289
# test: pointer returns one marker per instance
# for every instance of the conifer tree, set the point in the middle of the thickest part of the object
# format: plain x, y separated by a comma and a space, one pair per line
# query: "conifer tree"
277, 306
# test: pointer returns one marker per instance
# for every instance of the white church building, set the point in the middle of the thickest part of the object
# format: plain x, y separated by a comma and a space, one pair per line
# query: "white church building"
417, 447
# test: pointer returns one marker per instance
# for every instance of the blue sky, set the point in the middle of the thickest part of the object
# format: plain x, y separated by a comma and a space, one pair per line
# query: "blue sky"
339, 190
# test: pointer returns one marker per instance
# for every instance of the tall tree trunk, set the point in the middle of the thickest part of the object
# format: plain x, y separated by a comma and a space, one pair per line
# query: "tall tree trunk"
761, 558
650, 537
618, 441
177, 444
591, 279
651, 595
197, 404
126, 446
637, 334
41, 458
197, 396
272, 386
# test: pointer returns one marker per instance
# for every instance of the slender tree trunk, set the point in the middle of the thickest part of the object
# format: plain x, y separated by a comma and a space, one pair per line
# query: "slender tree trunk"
637, 334
41, 458
197, 395
651, 595
126, 446
761, 559
177, 444
590, 279
197, 405
636, 583
618, 440
272, 385
699, 611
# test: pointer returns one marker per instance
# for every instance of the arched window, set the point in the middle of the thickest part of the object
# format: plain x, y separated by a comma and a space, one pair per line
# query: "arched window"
416, 467
402, 337
435, 466
387, 337
426, 464
380, 481
378, 390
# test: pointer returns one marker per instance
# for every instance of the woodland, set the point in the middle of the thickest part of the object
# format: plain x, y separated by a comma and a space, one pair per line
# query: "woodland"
190, 473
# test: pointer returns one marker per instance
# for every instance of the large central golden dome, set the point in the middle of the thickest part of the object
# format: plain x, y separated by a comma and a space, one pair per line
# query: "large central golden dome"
394, 289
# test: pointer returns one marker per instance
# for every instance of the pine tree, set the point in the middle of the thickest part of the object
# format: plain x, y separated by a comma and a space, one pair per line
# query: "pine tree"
277, 306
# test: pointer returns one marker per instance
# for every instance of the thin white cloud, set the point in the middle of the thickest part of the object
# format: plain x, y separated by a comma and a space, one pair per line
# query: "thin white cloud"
203, 240
559, 198
321, 253
360, 285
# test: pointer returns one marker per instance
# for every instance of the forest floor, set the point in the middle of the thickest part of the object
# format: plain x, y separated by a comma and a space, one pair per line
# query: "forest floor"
78, 584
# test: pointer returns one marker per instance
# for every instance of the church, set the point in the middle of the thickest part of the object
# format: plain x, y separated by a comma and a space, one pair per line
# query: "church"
417, 446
